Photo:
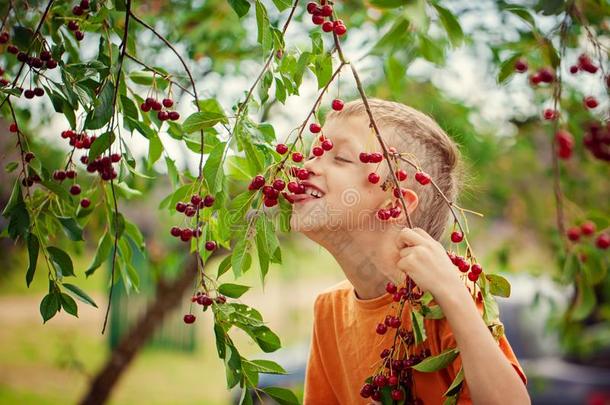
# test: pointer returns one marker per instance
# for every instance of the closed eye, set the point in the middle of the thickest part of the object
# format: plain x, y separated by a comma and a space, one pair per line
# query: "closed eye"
342, 159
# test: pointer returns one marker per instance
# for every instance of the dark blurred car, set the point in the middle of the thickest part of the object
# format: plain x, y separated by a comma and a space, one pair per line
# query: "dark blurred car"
552, 378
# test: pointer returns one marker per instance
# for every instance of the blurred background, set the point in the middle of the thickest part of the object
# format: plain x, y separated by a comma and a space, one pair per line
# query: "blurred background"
470, 89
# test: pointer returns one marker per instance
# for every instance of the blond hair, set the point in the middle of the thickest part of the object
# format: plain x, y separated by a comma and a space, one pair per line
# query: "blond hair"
410, 130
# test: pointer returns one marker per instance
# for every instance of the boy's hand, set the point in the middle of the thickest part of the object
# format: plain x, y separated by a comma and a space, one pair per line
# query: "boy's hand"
425, 260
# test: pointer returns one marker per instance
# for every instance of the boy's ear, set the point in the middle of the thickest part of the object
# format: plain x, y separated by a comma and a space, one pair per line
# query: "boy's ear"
411, 200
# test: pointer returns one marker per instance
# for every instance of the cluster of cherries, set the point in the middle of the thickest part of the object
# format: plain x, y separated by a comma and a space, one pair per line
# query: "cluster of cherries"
163, 114
102, 165
565, 144
73, 26
42, 61
462, 263
588, 228
396, 372
190, 210
597, 139
319, 13
205, 301
79, 141
542, 75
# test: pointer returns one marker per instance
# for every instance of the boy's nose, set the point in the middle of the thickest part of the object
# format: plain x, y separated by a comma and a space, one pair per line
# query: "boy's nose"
313, 166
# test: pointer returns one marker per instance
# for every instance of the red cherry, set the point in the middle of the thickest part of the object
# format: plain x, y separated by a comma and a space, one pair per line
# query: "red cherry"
297, 157
79, 35
381, 329
546, 75
364, 157
315, 128
393, 380
163, 115
380, 380
327, 144
374, 178
564, 139
302, 174
317, 151
366, 390
337, 104
573, 69
270, 202
473, 276
281, 148
340, 29
401, 175
590, 102
550, 114
311, 7
75, 189
390, 287
190, 211
326, 10
29, 156
476, 268
396, 394
208, 201
257, 182
167, 102
384, 215
189, 318
327, 26
174, 115
463, 266
85, 203
180, 206
317, 19
375, 157
422, 178
186, 234
573, 233
535, 79
196, 199
521, 65
603, 241
77, 10
175, 231
210, 245
457, 237
13, 127
588, 228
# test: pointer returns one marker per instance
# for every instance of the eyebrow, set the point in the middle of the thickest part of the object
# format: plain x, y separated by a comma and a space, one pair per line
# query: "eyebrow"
345, 143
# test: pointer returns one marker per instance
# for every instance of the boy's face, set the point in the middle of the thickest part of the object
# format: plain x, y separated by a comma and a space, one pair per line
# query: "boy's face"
349, 201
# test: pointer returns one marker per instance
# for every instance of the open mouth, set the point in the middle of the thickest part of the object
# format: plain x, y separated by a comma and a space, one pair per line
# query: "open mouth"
309, 195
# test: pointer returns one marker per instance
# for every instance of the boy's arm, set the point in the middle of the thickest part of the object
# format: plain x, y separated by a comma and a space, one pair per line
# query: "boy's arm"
490, 377
317, 388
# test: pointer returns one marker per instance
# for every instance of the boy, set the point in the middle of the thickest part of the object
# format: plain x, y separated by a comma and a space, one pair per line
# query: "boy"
342, 217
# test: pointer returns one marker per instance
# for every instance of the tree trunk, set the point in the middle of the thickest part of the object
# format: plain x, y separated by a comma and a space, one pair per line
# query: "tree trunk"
168, 296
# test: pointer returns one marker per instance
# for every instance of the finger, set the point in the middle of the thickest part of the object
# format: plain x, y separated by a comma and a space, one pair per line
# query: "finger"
409, 237
423, 233
405, 265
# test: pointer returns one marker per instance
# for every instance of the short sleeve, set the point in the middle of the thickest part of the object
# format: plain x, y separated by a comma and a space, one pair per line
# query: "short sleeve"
448, 341
317, 389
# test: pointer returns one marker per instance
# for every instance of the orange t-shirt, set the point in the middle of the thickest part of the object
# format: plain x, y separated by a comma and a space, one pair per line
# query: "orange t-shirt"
345, 350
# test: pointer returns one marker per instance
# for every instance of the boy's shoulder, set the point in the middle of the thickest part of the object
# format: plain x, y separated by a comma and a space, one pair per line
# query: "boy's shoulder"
334, 293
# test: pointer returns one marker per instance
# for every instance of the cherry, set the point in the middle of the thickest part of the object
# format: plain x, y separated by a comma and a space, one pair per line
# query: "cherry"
381, 329
4, 37
189, 318
463, 266
376, 395
29, 93
375, 157
77, 10
208, 201
366, 390
174, 115
221, 299
326, 10
340, 29
585, 63
51, 64
473, 276
75, 189
573, 69
180, 206
546, 75
281, 148
28, 157
550, 114
374, 178
73, 25
401, 175
393, 380
175, 231
79, 35
85, 203
302, 174
395, 212
311, 7
195, 199
210, 245
156, 106
317, 19
476, 268
573, 233
364, 157
422, 178
84, 4
190, 211
13, 127
279, 184
385, 353
168, 102
390, 287
396, 394
270, 192
293, 187
270, 202
588, 228
315, 128
327, 26
186, 234
297, 157
317, 151
337, 104
457, 237
380, 380
257, 182
163, 115
590, 102
564, 139
115, 157
59, 175
384, 215
398, 191
521, 65
603, 241
327, 144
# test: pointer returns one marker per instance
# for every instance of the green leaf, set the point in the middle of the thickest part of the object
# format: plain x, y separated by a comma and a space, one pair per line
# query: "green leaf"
104, 247
323, 69
490, 308
498, 285
389, 3
61, 259
430, 50
419, 330
232, 290
282, 4
232, 365
16, 211
220, 340
507, 69
11, 166
69, 305
239, 258
224, 266
433, 312
33, 247
438, 362
522, 13
213, 169
102, 112
201, 120
80, 294
267, 367
585, 301
146, 78
241, 7
451, 25
282, 395
100, 145
266, 339
155, 149
246, 397
455, 386
49, 306
71, 228
264, 36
